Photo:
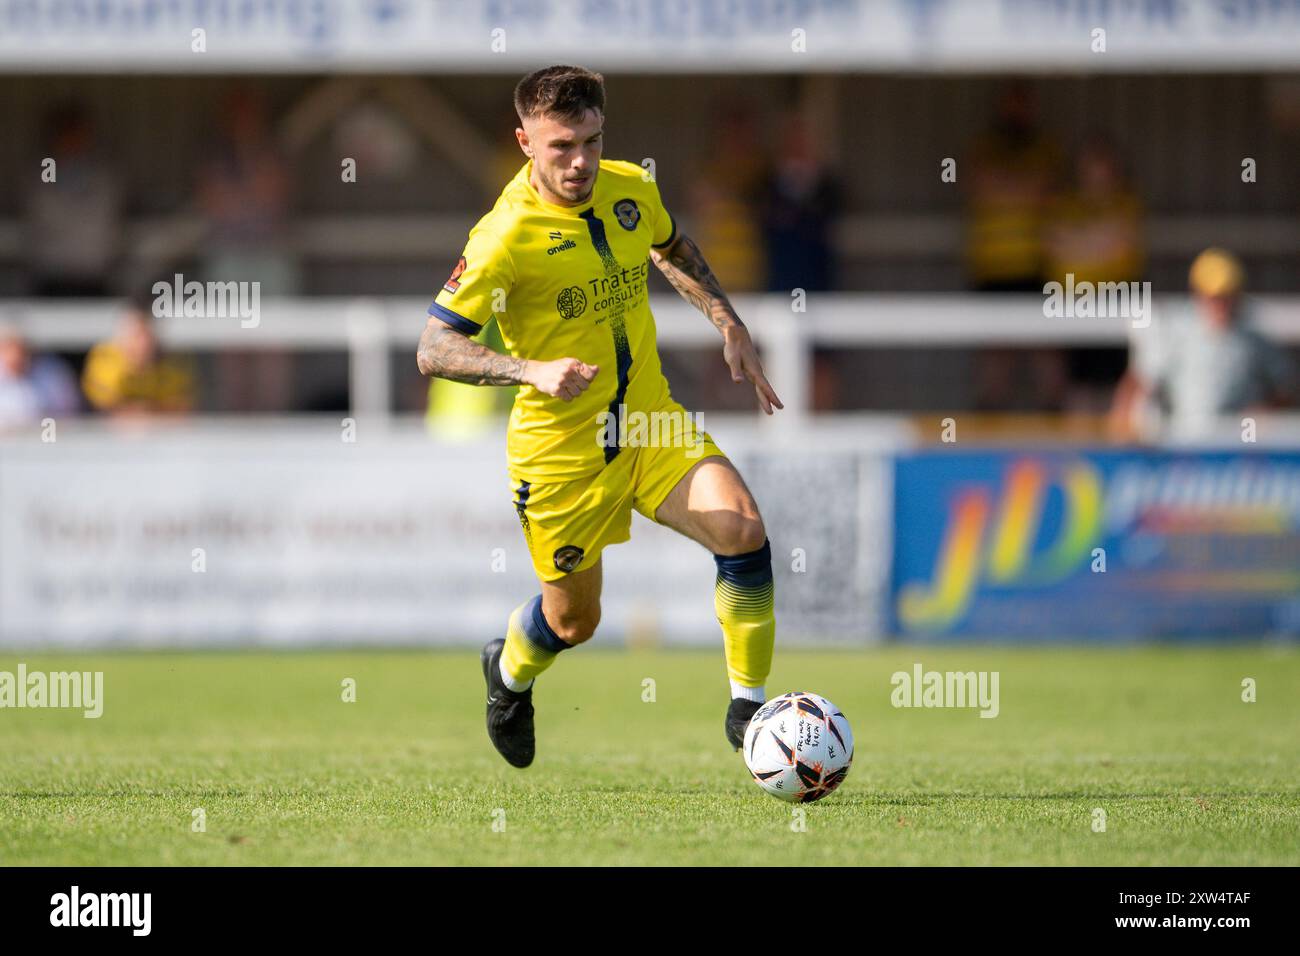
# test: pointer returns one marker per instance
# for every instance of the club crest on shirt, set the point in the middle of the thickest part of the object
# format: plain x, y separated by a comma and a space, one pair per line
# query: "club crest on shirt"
453, 280
568, 557
627, 214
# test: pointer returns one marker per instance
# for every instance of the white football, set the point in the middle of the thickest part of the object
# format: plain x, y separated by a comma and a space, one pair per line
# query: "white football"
798, 747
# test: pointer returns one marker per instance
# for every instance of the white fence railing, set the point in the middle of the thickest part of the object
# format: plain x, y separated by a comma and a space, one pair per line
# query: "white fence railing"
368, 329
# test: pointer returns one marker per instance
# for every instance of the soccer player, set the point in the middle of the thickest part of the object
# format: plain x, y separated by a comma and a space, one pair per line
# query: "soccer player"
562, 262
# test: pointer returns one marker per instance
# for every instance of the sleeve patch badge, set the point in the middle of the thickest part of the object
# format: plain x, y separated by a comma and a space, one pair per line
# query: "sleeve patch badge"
453, 280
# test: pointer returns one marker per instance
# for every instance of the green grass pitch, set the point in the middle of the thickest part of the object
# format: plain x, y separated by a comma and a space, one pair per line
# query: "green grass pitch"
287, 773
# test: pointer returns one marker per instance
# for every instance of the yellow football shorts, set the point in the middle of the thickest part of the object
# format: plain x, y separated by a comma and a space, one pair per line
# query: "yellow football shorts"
568, 523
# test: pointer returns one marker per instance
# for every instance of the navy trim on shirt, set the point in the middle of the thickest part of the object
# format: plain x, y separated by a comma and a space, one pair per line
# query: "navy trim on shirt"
671, 236
457, 322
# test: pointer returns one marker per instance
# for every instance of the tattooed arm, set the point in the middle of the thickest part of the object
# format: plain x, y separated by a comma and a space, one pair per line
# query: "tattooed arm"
447, 353
683, 265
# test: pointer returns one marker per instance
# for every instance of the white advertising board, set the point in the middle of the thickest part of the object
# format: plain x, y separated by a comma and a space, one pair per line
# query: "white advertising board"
288, 535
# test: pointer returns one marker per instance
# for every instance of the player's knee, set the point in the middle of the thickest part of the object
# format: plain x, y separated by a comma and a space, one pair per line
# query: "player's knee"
577, 626
740, 533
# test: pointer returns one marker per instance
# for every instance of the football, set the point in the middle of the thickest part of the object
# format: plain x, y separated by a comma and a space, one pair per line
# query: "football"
798, 747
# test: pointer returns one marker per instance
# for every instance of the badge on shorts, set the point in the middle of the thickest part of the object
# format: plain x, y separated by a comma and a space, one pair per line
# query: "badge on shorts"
568, 557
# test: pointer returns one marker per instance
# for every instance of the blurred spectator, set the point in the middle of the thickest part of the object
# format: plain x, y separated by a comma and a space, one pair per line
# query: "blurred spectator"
74, 222
1094, 232
1095, 229
724, 224
723, 199
32, 387
723, 196
1013, 169
129, 375
1193, 370
244, 192
800, 205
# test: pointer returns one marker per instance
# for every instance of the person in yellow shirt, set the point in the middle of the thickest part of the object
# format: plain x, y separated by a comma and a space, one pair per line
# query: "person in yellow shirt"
129, 375
562, 262
1014, 169
725, 195
1095, 230
1093, 233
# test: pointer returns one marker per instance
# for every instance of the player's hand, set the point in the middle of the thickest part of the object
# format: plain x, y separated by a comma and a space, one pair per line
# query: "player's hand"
742, 358
565, 378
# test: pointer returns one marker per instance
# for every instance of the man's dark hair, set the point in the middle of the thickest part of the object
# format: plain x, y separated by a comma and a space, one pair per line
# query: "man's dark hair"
566, 92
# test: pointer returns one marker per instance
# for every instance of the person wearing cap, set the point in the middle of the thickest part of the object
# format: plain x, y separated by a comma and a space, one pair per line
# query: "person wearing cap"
1198, 369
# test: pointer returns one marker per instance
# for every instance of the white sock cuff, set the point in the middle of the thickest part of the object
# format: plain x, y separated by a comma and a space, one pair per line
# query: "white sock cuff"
517, 686
757, 694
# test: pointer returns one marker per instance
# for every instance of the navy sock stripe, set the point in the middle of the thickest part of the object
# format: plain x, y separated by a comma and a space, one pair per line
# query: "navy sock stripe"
750, 570
538, 631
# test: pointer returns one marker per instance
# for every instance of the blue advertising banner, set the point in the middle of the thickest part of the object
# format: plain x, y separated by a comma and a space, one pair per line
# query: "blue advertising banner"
1121, 545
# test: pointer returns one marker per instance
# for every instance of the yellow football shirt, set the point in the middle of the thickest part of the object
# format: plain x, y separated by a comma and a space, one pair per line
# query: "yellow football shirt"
109, 381
568, 281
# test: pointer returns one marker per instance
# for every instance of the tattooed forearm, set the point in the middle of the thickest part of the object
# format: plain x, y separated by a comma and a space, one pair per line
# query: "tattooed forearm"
690, 275
445, 353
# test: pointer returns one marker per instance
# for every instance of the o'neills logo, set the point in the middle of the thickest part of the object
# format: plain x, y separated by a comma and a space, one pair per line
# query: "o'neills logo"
75, 908
566, 244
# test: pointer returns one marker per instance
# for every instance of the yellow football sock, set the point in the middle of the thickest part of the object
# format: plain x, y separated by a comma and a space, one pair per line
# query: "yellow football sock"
742, 598
531, 645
